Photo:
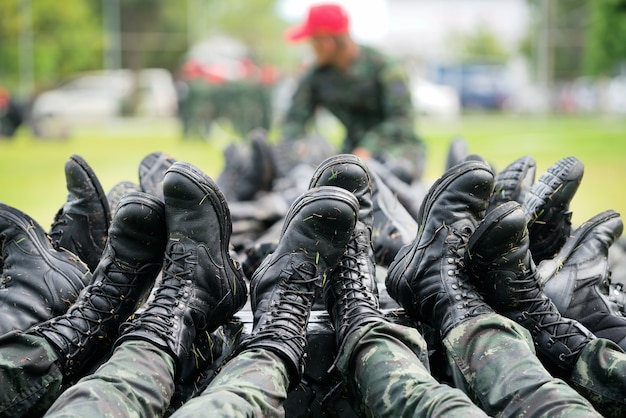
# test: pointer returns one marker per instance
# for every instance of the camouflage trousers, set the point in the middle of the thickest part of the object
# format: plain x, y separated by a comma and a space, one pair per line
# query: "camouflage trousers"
385, 365
493, 359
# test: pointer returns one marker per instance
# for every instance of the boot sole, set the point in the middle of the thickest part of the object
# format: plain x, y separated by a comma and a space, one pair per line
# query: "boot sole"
565, 172
517, 174
151, 164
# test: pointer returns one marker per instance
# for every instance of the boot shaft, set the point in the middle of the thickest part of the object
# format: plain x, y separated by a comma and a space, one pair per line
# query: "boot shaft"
201, 285
122, 280
37, 282
427, 277
578, 279
282, 290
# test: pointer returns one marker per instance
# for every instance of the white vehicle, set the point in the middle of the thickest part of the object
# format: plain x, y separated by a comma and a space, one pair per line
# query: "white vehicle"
435, 100
101, 95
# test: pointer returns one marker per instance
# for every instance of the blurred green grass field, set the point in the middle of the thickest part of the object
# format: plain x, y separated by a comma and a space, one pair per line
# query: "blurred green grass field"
33, 179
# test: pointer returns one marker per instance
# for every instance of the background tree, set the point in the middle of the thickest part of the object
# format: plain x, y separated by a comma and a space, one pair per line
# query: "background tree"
64, 40
479, 45
606, 37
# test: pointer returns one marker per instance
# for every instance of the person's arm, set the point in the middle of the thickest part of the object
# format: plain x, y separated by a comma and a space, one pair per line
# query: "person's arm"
300, 111
398, 126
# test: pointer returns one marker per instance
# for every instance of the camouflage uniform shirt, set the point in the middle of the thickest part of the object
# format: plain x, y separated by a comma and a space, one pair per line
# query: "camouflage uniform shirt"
371, 99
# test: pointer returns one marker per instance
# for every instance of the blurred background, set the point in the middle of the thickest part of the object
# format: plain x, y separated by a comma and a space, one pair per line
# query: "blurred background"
113, 80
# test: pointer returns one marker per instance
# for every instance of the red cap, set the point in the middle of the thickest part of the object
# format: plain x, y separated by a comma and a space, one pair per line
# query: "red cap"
323, 19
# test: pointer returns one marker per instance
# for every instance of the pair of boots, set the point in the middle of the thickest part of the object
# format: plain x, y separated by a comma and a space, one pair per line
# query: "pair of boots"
325, 248
185, 238
42, 272
466, 261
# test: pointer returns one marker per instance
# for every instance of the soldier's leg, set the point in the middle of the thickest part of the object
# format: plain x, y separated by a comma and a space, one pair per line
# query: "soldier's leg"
429, 278
30, 376
283, 288
138, 380
254, 383
385, 367
384, 364
494, 361
600, 375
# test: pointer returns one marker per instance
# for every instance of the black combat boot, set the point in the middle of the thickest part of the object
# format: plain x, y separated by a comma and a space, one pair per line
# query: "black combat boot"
427, 277
248, 170
201, 285
394, 227
547, 206
131, 260
501, 266
350, 292
37, 282
578, 279
514, 182
81, 225
151, 170
284, 287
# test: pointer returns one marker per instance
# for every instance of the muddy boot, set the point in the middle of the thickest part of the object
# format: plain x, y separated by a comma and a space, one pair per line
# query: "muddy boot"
201, 285
427, 278
37, 282
501, 266
82, 224
283, 289
131, 260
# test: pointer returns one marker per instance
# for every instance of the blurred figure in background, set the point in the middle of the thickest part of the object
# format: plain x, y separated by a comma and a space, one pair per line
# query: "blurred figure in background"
366, 90
12, 114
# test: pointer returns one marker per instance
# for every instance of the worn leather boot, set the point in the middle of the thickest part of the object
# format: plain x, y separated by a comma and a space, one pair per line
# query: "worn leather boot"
578, 279
37, 282
394, 227
427, 277
514, 182
152, 168
547, 205
201, 285
131, 260
282, 291
501, 265
82, 224
350, 292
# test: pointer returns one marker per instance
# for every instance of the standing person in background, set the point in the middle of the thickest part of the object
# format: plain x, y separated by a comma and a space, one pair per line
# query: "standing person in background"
366, 90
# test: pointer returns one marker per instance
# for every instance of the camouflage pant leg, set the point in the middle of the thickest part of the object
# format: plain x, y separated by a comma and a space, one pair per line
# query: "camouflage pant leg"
137, 381
600, 375
495, 359
30, 378
252, 384
385, 366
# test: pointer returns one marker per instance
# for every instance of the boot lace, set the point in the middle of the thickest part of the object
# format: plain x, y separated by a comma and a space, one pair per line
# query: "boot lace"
357, 300
545, 316
470, 300
176, 274
292, 308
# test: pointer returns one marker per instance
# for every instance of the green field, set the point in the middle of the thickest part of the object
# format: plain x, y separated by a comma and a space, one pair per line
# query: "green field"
33, 179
